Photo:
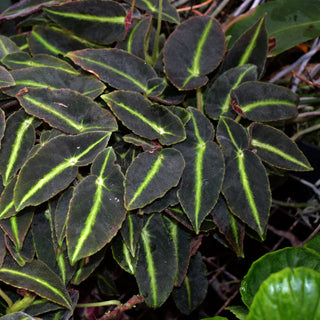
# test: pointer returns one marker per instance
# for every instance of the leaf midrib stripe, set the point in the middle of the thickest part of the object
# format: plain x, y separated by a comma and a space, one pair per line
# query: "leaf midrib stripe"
246, 187
137, 114
17, 146
91, 219
226, 104
54, 112
40, 281
14, 227
46, 44
268, 102
7, 208
131, 35
88, 17
230, 135
155, 9
3, 47
31, 83
246, 55
195, 68
118, 72
127, 257
200, 150
150, 175
150, 265
55, 171
188, 289
270, 148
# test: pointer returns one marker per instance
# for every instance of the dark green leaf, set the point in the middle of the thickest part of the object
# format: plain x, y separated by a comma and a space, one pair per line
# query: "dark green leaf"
260, 101
169, 12
95, 20
203, 174
273, 262
217, 101
19, 60
146, 145
135, 41
229, 225
54, 41
7, 208
189, 54
194, 287
2, 247
156, 86
96, 209
151, 175
2, 124
36, 277
16, 144
274, 147
118, 68
7, 46
17, 227
157, 263
67, 110
240, 312
43, 77
6, 79
314, 243
289, 294
17, 316
145, 119
48, 171
251, 47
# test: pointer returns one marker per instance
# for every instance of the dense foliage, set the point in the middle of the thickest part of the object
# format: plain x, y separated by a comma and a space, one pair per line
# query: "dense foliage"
119, 139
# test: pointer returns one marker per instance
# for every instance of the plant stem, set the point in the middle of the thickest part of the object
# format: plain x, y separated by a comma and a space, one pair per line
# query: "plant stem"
238, 118
305, 131
99, 304
4, 296
220, 8
156, 42
199, 100
293, 204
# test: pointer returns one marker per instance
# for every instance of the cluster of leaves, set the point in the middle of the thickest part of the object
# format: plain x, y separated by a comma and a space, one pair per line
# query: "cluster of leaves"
115, 137
284, 284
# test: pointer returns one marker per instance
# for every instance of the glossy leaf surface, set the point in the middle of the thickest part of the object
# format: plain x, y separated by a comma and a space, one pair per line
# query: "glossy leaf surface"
273, 262
289, 294
189, 54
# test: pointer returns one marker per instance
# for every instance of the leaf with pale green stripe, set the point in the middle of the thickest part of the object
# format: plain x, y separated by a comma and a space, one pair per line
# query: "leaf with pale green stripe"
151, 175
6, 79
7, 208
67, 110
48, 171
275, 148
203, 174
182, 243
146, 145
194, 287
246, 186
259, 101
3, 248
17, 316
131, 230
157, 263
7, 46
95, 20
148, 120
19, 138
231, 227
168, 13
44, 77
2, 125
36, 277
135, 41
217, 97
251, 47
189, 54
123, 256
116, 67
19, 60
49, 39
96, 210
17, 227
